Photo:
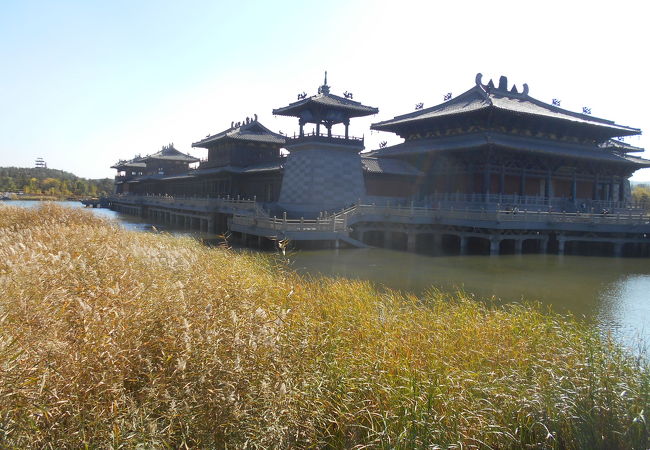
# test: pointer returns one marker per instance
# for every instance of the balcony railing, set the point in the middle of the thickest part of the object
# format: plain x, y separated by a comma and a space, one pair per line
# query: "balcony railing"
330, 139
229, 204
340, 222
530, 202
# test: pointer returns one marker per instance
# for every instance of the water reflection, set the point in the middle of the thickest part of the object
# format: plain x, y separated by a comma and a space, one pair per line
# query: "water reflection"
610, 291
625, 309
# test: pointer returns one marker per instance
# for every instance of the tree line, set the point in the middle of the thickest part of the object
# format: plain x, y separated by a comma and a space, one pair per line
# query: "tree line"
641, 195
51, 182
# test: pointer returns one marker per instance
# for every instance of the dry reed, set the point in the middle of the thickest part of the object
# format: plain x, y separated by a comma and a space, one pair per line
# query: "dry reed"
110, 339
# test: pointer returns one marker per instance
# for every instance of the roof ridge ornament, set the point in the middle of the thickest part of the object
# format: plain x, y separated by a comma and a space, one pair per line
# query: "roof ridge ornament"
503, 83
324, 89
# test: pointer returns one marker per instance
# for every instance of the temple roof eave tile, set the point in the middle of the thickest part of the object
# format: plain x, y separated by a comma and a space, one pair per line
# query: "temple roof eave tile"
250, 132
479, 140
481, 97
348, 107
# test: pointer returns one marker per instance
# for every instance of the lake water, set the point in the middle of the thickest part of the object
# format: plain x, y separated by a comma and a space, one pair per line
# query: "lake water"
612, 292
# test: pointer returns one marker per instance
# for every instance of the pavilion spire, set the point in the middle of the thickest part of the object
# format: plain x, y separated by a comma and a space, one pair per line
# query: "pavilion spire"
324, 89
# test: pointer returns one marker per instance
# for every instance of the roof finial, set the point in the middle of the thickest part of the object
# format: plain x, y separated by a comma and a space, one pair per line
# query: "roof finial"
324, 89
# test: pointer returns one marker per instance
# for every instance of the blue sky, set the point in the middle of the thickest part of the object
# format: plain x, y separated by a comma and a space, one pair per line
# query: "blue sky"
83, 84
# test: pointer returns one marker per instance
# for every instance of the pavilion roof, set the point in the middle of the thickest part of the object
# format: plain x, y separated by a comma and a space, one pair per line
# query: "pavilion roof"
489, 97
169, 153
132, 164
253, 131
268, 166
326, 101
502, 140
305, 107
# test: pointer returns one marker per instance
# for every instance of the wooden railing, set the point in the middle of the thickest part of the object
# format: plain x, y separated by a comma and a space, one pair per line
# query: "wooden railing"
241, 205
329, 224
502, 215
248, 212
530, 201
340, 222
334, 138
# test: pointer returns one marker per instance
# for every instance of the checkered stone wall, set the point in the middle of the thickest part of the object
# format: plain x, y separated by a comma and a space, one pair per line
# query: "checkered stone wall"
320, 179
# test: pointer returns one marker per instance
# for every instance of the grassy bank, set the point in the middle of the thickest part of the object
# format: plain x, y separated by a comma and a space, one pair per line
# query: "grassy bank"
111, 338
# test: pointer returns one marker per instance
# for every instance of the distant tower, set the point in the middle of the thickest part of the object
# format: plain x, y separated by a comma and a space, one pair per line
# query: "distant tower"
40, 163
323, 171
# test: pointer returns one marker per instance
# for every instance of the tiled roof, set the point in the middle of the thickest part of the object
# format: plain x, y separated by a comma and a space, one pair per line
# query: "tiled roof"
269, 166
325, 100
483, 97
621, 146
252, 132
477, 140
169, 153
388, 166
129, 164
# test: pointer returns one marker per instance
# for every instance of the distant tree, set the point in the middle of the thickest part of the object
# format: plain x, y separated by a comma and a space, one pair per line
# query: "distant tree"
32, 186
51, 186
641, 195
57, 183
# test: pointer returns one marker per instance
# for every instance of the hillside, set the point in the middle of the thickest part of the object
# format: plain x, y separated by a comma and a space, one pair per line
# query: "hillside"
51, 182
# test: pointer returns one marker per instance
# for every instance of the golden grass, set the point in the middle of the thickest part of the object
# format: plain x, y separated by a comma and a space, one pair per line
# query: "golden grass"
110, 338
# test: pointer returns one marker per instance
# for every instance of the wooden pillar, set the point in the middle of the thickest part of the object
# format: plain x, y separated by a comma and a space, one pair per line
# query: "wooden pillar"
621, 190
522, 183
411, 240
518, 246
618, 249
574, 188
346, 122
595, 193
486, 180
560, 245
463, 245
543, 247
494, 245
547, 187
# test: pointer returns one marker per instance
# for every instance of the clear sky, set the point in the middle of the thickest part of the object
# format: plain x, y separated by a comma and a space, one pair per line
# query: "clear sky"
86, 83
